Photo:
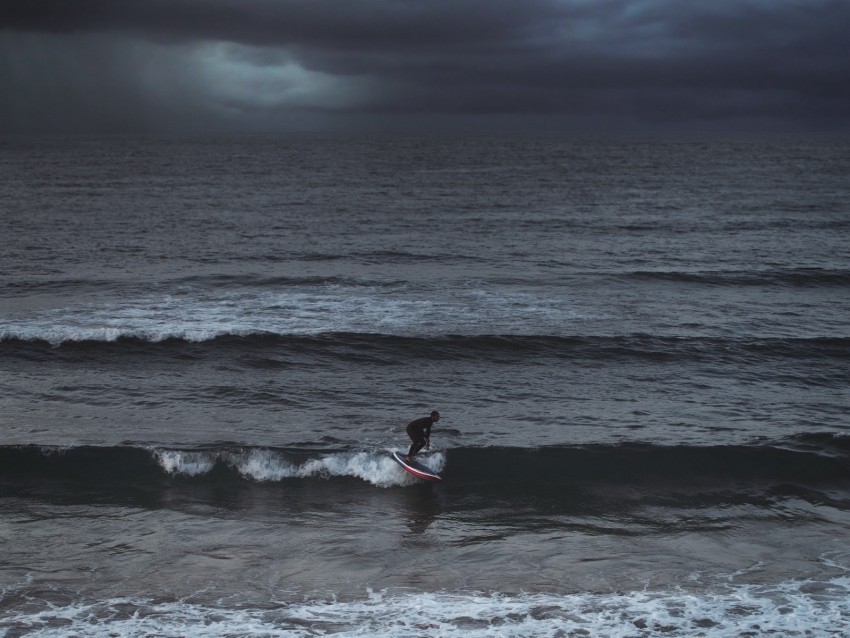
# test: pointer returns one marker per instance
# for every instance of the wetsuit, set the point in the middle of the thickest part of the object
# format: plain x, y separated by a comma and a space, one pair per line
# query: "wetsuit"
419, 432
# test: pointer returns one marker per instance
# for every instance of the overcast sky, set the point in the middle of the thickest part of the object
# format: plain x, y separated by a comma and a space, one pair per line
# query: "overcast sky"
420, 65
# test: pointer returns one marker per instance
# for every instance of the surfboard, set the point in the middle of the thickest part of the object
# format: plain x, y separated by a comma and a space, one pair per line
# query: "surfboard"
417, 469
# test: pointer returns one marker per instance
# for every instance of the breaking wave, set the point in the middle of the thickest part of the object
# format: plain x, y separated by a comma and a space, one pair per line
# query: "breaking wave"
144, 465
790, 608
393, 348
810, 459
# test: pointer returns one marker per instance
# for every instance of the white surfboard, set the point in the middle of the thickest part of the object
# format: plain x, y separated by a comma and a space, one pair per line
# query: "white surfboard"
417, 469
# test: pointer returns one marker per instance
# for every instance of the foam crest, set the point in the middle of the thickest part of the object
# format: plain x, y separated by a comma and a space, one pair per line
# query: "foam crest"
57, 335
260, 465
204, 314
378, 470
183, 462
264, 465
789, 609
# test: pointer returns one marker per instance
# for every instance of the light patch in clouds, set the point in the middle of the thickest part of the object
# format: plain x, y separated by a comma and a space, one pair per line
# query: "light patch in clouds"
251, 79
105, 83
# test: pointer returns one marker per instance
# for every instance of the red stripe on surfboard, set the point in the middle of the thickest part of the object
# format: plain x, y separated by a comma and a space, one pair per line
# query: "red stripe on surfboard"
414, 471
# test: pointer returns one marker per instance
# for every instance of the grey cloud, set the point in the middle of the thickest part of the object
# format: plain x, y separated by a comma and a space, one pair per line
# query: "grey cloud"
609, 62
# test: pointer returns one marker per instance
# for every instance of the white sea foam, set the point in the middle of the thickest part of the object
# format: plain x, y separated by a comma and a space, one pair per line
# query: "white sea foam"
206, 314
270, 465
788, 609
185, 463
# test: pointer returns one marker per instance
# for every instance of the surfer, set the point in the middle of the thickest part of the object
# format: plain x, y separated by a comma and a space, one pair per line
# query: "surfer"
419, 432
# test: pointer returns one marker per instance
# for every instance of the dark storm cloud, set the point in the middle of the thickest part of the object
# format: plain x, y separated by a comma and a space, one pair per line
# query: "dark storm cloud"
628, 63
333, 24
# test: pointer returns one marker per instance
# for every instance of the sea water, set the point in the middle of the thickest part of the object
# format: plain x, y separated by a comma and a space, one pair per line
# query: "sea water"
209, 347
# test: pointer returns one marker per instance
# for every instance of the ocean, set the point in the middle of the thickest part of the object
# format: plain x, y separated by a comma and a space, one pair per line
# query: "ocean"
640, 349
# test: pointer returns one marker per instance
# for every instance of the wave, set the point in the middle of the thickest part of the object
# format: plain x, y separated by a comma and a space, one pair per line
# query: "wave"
819, 459
795, 277
675, 467
144, 465
820, 607
206, 284
791, 277
277, 282
392, 348
14, 288
243, 306
390, 256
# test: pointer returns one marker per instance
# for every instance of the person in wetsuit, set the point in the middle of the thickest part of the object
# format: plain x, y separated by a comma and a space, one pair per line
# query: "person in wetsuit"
419, 432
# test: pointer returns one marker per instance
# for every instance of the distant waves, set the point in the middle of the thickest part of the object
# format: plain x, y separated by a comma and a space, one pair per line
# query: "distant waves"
792, 277
392, 349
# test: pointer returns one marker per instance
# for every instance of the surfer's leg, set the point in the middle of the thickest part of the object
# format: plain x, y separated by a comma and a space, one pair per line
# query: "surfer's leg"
418, 444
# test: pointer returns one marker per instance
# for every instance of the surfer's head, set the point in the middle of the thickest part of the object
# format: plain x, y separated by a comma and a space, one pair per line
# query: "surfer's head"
435, 416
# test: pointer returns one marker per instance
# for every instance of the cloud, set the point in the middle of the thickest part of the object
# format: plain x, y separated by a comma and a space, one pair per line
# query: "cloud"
284, 64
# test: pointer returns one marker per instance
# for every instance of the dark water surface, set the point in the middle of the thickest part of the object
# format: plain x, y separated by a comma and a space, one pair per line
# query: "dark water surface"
640, 350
